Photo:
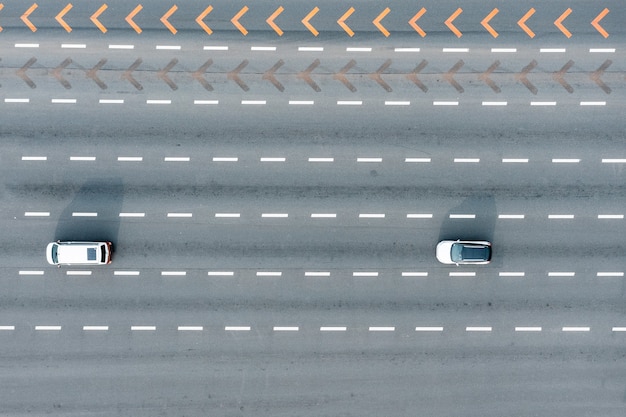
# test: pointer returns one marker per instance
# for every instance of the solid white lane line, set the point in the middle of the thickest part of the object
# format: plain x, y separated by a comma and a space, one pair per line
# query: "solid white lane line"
429, 329
528, 329
576, 329
419, 216
358, 49
36, 214
177, 159
462, 274
30, 272
561, 274
552, 50
445, 103
416, 159
321, 159
17, 100
382, 329
77, 272
228, 215
494, 103
132, 214
462, 216
613, 161
510, 216
397, 103
503, 50
593, 103
206, 102
111, 101
130, 158
190, 328
73, 46
455, 50
275, 215
323, 215
333, 329
611, 216
511, 274
168, 47
262, 48
7, 327
225, 159
63, 101
82, 158
317, 274
618, 329
27, 45
126, 273
515, 160
237, 328
158, 101
478, 329
406, 49
610, 274
272, 159
173, 273
286, 328
543, 103
415, 274
602, 50
310, 49
221, 273
302, 102
371, 215
467, 160
84, 214
254, 102
560, 216
95, 328
215, 48
364, 274
143, 328
565, 160
269, 274
56, 328
121, 46
349, 102
186, 215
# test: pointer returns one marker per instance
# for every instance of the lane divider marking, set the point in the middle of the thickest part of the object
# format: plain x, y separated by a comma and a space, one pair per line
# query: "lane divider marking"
364, 274
415, 274
227, 214
84, 214
561, 274
237, 328
221, 273
143, 328
129, 214
36, 213
31, 272
269, 274
126, 273
95, 328
187, 215
419, 216
316, 274
174, 273
462, 274
286, 328
511, 274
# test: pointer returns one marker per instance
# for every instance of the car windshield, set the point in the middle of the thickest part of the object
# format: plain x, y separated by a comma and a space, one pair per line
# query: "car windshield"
54, 253
456, 253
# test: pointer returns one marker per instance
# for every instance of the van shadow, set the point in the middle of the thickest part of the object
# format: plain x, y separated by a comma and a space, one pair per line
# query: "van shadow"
103, 196
482, 227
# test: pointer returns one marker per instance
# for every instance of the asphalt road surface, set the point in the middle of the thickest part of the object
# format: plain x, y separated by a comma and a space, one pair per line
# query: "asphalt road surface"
275, 182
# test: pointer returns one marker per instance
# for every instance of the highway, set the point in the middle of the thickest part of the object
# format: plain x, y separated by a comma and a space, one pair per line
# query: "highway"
275, 178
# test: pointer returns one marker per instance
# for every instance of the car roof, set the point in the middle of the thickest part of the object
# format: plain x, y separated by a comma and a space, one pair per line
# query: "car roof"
77, 252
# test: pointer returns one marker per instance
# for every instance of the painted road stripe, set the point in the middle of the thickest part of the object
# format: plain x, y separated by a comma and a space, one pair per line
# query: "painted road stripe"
382, 329
515, 160
602, 50
228, 215
560, 216
225, 159
275, 215
613, 161
415, 274
369, 159
462, 216
371, 215
311, 49
576, 329
180, 215
17, 100
206, 102
126, 273
63, 101
110, 101
173, 273
321, 159
503, 50
565, 160
333, 329
78, 272
610, 274
406, 49
168, 47
358, 49
419, 160
302, 102
419, 216
36, 213
593, 103
364, 274
478, 329
34, 158
56, 328
27, 45
262, 48
543, 103
142, 328
397, 103
272, 159
455, 49
221, 273
121, 46
610, 216
127, 214
462, 274
467, 160
130, 158
84, 214
495, 103
445, 103
323, 215
618, 329
269, 274
561, 274
177, 159
286, 328
552, 50
190, 328
511, 274
528, 329
7, 327
349, 102
215, 48
237, 328
95, 328
253, 102
317, 274
73, 46
429, 329
82, 158
31, 272
510, 216
158, 101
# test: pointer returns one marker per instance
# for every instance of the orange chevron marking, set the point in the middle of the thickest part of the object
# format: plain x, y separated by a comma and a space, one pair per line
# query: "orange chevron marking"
270, 21
235, 20
308, 17
596, 23
1, 7
380, 17
166, 16
559, 23
414, 19
522, 22
342, 19
486, 25
200, 20
449, 21
27, 13
131, 15
94, 18
59, 17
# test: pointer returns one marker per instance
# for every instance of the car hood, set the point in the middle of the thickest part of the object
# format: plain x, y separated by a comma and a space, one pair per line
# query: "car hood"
443, 251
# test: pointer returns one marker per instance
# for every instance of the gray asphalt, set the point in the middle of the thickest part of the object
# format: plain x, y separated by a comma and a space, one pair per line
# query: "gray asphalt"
379, 364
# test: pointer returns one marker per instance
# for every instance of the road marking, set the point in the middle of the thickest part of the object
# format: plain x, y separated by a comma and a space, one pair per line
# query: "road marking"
618, 329
552, 50
445, 103
269, 274
73, 46
406, 49
515, 160
17, 100
333, 329
610, 274
503, 50
130, 158
417, 160
142, 328
206, 102
358, 49
323, 215
176, 159
78, 273
462, 274
349, 102
565, 160
397, 103
82, 158
543, 103
528, 329
7, 327
225, 159
215, 48
173, 273
610, 216
34, 158
262, 48
227, 214
48, 328
510, 216
27, 45
560, 216
419, 216
467, 160
253, 102
302, 102
36, 213
561, 274
371, 215
316, 274
286, 328
494, 103
121, 46
84, 214
455, 49
221, 273
429, 329
168, 47
576, 329
311, 49
111, 101
63, 101
602, 50
415, 274
95, 328
275, 215
129, 214
158, 101
272, 159
462, 216
369, 159
179, 214
237, 328
364, 274
190, 328
126, 273
613, 161
321, 159
30, 272
382, 329
593, 103
477, 329
511, 274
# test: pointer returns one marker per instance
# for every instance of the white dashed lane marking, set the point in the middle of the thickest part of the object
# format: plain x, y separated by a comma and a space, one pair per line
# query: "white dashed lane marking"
321, 159
96, 328
593, 103
610, 216
478, 329
237, 328
503, 50
253, 102
190, 328
302, 102
369, 159
610, 274
179, 215
263, 48
445, 103
225, 159
552, 50
382, 329
7, 327
364, 274
73, 46
310, 49
462, 274
429, 329
510, 216
561, 274
406, 49
528, 329
48, 328
565, 160
37, 214
121, 46
452, 50
371, 215
130, 158
31, 272
494, 103
349, 102
132, 214
511, 274
560, 216
275, 215
286, 328
333, 329
169, 47
272, 159
74, 272
466, 160
602, 50
416, 160
462, 216
576, 329
143, 328
84, 214
419, 216
158, 101
215, 48
83, 158
27, 45
515, 160
415, 274
126, 273
17, 100
111, 101
206, 102
221, 273
173, 273
317, 274
358, 49
613, 161
269, 274
323, 215
228, 215
177, 159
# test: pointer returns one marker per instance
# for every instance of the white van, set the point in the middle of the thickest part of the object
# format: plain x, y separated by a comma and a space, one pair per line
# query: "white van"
79, 253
